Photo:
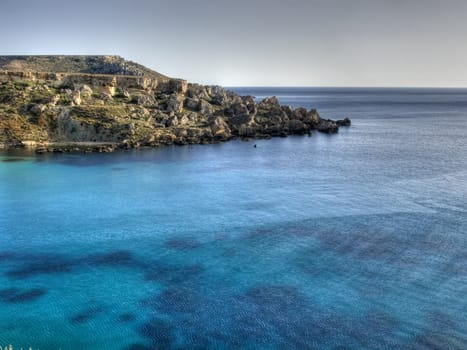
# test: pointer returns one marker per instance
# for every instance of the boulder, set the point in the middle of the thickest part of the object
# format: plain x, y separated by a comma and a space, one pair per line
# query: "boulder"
327, 126
277, 113
269, 102
289, 111
298, 127
183, 120
343, 122
86, 91
192, 103
175, 103
250, 104
144, 100
219, 96
106, 97
219, 127
241, 119
236, 109
243, 125
172, 121
37, 109
76, 98
125, 93
178, 86
197, 91
300, 114
54, 100
193, 117
205, 108
313, 118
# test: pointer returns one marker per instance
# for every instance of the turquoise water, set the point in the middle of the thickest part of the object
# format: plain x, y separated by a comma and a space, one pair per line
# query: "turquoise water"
350, 241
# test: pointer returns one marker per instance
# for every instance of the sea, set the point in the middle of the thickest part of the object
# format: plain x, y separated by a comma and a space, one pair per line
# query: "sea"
356, 240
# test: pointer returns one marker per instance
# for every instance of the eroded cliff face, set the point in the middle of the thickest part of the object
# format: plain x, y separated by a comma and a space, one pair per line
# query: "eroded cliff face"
38, 108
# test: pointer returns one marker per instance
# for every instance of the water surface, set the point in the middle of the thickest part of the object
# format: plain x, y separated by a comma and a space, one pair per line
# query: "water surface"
356, 240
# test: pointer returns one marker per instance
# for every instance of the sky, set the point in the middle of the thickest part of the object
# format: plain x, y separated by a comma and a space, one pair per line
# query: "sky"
397, 43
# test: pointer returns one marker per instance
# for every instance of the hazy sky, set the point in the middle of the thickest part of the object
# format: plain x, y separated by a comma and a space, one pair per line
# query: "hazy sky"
255, 42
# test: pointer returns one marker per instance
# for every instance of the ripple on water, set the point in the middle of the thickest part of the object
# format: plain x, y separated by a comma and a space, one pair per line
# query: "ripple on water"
126, 318
117, 258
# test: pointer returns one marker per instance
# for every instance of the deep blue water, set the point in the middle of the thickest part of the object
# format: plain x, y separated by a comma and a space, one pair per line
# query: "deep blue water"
350, 241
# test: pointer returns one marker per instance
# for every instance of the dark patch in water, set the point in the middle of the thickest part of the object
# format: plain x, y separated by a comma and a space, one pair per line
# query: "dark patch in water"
116, 258
14, 295
158, 332
11, 160
266, 314
125, 318
86, 315
47, 264
182, 243
118, 169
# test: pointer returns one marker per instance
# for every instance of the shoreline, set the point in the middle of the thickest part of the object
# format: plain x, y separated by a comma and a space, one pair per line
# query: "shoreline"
39, 148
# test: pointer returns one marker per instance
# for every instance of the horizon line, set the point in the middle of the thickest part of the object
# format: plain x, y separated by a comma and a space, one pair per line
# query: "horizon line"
343, 87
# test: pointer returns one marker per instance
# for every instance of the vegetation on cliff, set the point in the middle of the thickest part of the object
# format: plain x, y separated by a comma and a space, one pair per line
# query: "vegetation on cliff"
53, 100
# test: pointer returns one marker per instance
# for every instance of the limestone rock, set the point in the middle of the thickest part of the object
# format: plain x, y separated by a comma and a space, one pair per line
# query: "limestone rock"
175, 103
143, 100
86, 91
327, 126
298, 127
178, 86
237, 109
54, 100
37, 109
343, 122
172, 121
205, 108
269, 102
197, 91
219, 127
106, 97
192, 103
183, 120
313, 118
76, 98
141, 109
250, 104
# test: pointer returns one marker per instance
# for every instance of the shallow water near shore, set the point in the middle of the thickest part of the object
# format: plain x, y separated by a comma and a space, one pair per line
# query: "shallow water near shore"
355, 240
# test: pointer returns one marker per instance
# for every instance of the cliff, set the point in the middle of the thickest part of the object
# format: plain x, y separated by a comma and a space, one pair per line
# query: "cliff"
64, 103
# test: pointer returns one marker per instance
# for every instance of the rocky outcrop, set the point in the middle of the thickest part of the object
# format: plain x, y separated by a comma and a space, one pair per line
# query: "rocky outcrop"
343, 122
50, 108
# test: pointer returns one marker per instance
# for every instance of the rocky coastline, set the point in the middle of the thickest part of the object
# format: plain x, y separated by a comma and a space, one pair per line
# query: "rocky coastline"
81, 111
